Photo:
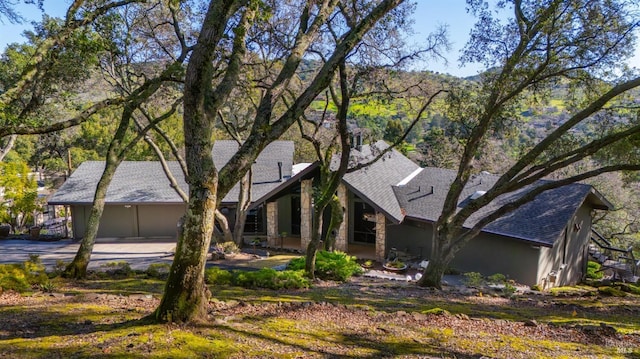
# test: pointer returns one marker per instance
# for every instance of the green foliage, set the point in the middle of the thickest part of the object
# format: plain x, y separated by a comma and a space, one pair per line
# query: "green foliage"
331, 265
215, 275
497, 278
593, 271
22, 277
119, 269
226, 247
612, 291
264, 278
473, 279
158, 270
20, 194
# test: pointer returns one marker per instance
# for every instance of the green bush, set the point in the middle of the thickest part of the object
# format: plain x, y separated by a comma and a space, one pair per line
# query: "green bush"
158, 270
264, 278
226, 247
23, 277
215, 275
593, 270
497, 278
473, 279
331, 265
120, 269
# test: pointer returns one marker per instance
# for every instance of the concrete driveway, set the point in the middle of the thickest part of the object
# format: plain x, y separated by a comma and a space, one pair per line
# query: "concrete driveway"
139, 253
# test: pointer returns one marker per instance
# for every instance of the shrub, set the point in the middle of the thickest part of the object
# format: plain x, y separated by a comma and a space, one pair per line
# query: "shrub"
331, 265
158, 270
497, 278
215, 275
226, 247
120, 269
22, 277
473, 279
593, 271
264, 278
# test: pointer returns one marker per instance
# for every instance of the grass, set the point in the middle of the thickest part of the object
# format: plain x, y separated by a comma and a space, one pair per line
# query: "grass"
362, 318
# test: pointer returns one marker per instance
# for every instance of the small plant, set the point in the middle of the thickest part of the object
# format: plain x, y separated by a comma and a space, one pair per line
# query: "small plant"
593, 271
395, 265
536, 287
509, 289
47, 287
35, 258
120, 269
331, 265
158, 270
497, 278
226, 247
264, 278
368, 263
473, 279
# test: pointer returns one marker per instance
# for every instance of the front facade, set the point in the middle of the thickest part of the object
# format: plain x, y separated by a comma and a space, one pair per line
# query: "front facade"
390, 204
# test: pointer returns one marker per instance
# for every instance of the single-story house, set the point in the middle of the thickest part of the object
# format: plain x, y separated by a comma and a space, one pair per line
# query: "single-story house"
392, 203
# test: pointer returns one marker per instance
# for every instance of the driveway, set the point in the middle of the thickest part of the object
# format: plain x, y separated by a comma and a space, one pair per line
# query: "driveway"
139, 253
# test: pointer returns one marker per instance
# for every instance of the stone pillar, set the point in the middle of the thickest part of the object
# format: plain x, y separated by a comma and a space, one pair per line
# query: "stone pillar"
342, 237
272, 224
306, 212
381, 236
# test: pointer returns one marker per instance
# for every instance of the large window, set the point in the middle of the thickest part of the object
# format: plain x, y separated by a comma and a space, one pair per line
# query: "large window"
364, 225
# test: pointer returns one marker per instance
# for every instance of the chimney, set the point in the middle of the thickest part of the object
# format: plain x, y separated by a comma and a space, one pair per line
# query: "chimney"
280, 171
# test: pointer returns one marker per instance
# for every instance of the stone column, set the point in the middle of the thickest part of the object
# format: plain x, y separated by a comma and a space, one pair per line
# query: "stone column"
272, 224
381, 236
306, 211
341, 238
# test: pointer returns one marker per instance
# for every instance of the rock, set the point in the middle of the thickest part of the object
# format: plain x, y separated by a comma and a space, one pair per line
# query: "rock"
462, 316
608, 330
530, 323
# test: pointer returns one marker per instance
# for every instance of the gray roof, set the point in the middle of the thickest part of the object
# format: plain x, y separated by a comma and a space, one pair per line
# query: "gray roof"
133, 182
375, 182
265, 175
540, 221
145, 181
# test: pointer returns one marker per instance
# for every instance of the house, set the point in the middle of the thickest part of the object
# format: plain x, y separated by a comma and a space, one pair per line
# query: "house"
392, 203
141, 203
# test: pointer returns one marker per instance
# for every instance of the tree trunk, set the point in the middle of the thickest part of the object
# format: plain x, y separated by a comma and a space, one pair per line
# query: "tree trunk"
244, 200
227, 236
186, 295
78, 267
316, 224
337, 217
432, 275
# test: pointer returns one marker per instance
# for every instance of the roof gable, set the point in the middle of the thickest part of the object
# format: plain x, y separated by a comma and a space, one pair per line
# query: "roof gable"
541, 221
374, 182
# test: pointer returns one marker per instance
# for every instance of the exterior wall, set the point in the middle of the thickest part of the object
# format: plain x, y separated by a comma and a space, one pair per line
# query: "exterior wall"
381, 237
78, 221
272, 223
565, 263
159, 220
342, 237
487, 254
306, 212
413, 238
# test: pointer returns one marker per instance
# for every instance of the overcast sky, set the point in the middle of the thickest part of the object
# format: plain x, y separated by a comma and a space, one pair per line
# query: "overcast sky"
429, 15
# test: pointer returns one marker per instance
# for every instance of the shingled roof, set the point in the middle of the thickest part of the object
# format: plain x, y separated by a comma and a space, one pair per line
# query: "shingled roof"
540, 221
133, 182
145, 182
374, 182
266, 175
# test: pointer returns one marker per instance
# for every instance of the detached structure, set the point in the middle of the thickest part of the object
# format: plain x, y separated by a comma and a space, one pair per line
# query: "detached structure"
392, 203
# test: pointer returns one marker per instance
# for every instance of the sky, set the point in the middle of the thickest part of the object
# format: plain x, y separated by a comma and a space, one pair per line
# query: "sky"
428, 16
